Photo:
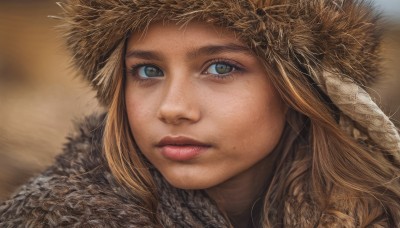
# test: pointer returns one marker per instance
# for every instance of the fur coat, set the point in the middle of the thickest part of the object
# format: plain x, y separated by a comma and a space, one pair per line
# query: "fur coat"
333, 43
78, 190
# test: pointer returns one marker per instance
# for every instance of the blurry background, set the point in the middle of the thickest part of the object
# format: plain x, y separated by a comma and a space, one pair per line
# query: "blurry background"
40, 94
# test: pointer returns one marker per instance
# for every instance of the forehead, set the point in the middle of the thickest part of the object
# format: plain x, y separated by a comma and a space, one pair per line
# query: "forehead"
194, 33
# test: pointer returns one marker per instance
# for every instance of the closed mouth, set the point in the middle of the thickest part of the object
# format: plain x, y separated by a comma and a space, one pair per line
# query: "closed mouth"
180, 141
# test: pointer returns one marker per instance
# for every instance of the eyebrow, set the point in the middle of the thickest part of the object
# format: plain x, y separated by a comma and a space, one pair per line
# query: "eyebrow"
146, 55
218, 49
206, 50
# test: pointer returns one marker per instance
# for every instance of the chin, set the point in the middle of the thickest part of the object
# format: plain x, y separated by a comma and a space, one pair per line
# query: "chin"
190, 183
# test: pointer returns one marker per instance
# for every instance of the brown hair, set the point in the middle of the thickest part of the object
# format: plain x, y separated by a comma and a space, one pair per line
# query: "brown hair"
353, 165
326, 170
126, 164
350, 180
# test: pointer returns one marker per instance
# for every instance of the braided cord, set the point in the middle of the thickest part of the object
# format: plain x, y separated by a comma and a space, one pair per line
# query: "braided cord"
357, 104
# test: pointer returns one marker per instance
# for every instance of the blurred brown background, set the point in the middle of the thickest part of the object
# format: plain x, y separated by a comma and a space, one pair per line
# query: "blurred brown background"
40, 95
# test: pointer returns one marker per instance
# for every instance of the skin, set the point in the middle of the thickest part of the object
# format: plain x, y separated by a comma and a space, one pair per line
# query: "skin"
238, 114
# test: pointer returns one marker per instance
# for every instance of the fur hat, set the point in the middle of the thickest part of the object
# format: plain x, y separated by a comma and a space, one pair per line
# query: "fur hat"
335, 42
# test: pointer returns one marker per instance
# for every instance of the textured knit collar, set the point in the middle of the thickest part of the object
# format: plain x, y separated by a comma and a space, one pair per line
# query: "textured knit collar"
176, 208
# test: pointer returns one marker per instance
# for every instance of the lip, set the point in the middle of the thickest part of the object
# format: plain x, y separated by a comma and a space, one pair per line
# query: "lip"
180, 148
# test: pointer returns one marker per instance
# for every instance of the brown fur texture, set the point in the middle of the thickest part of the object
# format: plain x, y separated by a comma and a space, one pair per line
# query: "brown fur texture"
304, 35
304, 38
311, 38
299, 38
80, 191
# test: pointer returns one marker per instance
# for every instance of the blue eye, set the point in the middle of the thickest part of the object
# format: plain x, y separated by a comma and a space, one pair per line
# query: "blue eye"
149, 71
220, 68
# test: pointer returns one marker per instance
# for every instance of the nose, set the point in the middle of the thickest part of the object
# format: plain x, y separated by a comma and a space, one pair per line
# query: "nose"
179, 104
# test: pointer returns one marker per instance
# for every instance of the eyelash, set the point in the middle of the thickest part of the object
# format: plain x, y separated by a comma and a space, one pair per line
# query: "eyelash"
133, 70
237, 68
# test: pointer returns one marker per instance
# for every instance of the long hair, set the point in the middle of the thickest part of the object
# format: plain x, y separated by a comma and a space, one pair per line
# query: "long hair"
326, 170
126, 163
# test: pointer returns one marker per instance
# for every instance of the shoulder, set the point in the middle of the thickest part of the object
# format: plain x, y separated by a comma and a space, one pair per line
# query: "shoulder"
78, 189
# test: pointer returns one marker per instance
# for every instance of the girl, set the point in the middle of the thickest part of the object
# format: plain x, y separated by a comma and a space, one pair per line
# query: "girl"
227, 113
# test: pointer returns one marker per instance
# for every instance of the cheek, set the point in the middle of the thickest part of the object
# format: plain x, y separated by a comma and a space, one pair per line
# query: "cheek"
138, 113
250, 111
134, 109
252, 122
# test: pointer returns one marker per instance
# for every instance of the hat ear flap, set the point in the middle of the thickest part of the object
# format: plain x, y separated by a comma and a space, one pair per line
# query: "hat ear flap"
337, 44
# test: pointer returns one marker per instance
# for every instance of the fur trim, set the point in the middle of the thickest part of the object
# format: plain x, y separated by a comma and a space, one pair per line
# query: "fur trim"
311, 35
78, 190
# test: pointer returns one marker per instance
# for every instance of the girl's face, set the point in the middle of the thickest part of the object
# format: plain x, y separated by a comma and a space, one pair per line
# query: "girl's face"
199, 104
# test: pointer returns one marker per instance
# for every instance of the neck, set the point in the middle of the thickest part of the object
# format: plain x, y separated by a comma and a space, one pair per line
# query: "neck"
238, 196
242, 197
